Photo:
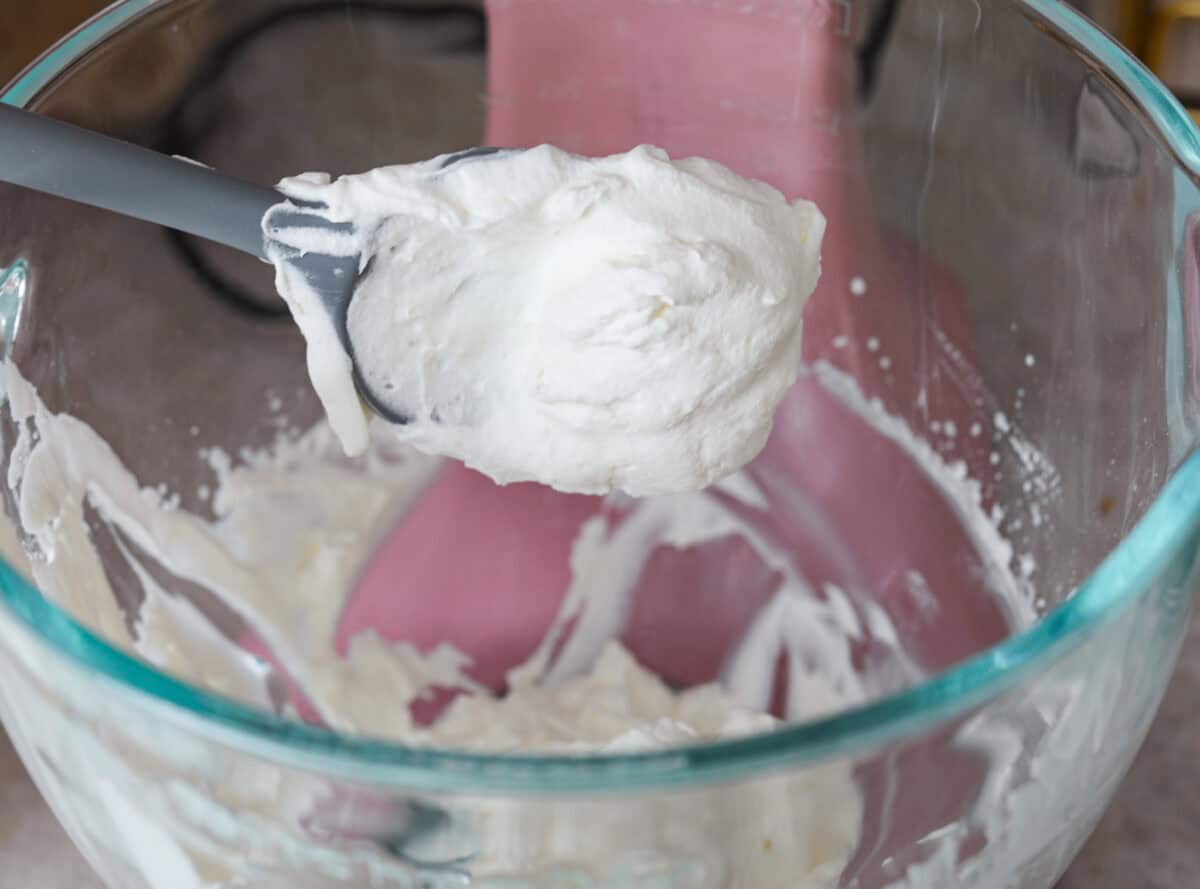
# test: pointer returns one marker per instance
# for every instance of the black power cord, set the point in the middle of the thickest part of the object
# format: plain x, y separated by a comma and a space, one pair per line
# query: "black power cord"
873, 45
178, 137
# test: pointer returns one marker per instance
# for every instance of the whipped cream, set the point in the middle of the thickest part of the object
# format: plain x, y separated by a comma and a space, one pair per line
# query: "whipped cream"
618, 706
291, 530
621, 323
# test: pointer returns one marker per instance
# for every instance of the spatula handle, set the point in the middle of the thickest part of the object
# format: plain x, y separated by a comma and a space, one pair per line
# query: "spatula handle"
47, 155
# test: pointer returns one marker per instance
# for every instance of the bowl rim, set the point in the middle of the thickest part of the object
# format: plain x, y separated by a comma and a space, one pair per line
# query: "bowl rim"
1171, 521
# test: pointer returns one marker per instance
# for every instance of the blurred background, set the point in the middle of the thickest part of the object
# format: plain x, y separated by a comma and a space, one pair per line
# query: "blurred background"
24, 34
1164, 33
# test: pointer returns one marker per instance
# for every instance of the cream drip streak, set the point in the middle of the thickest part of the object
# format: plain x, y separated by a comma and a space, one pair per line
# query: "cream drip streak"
622, 323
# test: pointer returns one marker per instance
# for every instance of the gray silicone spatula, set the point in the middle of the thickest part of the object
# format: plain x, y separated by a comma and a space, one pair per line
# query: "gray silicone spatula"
73, 163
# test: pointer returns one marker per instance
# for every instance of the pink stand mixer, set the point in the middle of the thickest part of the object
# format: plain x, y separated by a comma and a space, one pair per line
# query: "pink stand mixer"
585, 77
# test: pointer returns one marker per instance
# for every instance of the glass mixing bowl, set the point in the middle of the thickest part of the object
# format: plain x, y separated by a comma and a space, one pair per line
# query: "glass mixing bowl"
1010, 268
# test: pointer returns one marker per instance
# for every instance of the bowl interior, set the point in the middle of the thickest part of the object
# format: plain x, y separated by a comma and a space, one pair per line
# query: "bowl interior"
988, 413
